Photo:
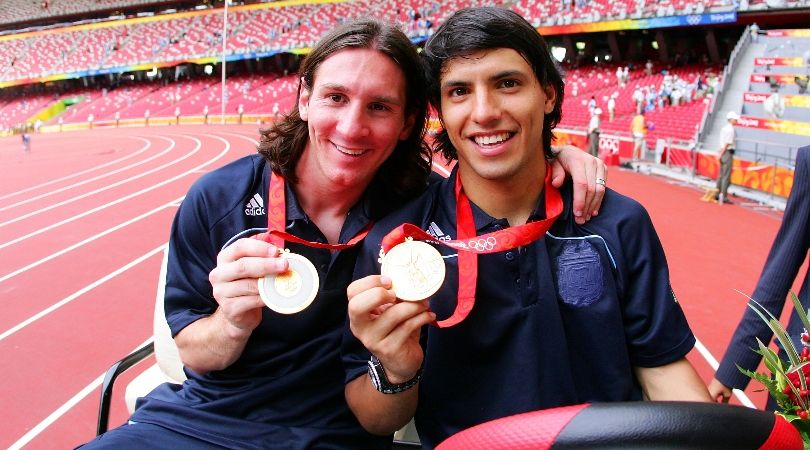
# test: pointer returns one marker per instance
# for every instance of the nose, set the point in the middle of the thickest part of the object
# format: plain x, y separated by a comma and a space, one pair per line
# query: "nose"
352, 121
485, 107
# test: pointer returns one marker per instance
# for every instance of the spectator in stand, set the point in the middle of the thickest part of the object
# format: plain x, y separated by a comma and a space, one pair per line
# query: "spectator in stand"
773, 83
726, 156
802, 82
712, 83
620, 77
788, 252
774, 105
676, 95
638, 128
591, 105
638, 99
648, 68
593, 132
611, 106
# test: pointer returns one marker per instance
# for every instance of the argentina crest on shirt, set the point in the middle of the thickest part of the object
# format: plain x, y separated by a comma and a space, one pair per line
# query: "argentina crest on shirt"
579, 273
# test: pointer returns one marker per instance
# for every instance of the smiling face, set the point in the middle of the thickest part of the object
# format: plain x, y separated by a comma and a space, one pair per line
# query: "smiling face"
355, 113
492, 107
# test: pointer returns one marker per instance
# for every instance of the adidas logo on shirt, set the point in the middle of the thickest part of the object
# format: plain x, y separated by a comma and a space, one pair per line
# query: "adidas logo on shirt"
255, 207
437, 233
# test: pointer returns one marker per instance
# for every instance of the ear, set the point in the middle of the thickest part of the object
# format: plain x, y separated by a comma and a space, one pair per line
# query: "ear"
408, 127
551, 98
303, 101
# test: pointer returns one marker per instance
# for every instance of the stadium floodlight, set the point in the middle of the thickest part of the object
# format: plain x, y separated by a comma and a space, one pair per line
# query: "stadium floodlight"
152, 72
208, 69
655, 45
580, 45
558, 53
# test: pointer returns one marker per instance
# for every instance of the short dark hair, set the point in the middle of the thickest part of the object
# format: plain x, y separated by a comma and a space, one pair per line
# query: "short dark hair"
487, 28
405, 172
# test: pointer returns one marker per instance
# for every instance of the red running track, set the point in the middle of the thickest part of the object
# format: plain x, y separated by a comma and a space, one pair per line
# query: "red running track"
84, 217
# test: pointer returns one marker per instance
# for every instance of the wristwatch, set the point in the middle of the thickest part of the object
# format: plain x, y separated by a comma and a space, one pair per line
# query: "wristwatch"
377, 374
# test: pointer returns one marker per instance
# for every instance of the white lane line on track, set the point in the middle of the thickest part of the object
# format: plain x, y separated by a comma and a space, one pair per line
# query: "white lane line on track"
122, 199
67, 406
172, 204
707, 355
107, 187
30, 435
81, 292
241, 136
90, 180
74, 175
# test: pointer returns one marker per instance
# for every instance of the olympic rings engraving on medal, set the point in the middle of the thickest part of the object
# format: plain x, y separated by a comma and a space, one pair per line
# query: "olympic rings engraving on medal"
293, 290
482, 245
416, 270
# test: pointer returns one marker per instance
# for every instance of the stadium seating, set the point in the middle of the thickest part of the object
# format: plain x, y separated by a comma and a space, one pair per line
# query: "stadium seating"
679, 122
17, 111
169, 38
17, 11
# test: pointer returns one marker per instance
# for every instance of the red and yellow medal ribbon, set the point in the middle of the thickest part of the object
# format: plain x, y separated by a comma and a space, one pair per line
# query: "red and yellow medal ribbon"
470, 245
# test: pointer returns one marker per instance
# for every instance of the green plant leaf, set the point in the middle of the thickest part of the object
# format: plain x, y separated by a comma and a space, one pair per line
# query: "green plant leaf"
797, 306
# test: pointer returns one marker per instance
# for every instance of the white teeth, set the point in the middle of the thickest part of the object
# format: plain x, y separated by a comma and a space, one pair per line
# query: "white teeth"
491, 139
349, 151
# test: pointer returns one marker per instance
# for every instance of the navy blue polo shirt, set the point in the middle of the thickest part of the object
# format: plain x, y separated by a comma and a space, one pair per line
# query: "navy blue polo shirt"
286, 389
561, 321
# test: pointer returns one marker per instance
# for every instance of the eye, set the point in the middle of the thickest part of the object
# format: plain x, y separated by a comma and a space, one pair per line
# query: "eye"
379, 107
458, 92
337, 98
510, 83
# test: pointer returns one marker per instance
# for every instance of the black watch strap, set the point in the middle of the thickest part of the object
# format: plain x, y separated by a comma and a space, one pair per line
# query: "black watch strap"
377, 374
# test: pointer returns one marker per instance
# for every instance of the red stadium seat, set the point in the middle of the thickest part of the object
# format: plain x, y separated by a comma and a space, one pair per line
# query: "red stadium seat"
682, 425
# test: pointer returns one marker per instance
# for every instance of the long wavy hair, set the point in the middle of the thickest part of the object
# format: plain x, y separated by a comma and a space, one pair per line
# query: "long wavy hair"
405, 172
487, 28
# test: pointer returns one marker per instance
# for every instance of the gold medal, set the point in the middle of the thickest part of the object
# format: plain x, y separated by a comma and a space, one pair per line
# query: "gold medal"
416, 270
291, 291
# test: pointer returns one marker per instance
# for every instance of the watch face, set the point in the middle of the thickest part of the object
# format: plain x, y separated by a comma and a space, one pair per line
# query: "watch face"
291, 291
416, 270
